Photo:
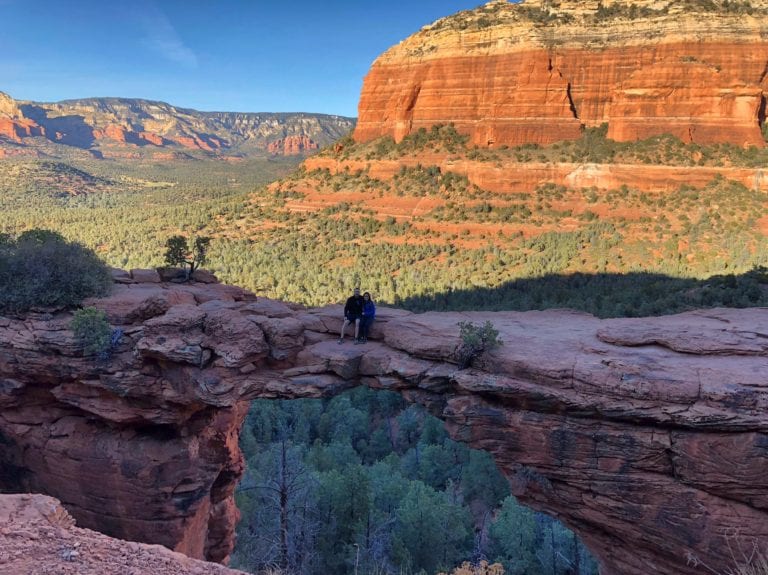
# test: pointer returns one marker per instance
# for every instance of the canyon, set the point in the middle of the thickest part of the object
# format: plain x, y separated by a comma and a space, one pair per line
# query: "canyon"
124, 127
540, 71
646, 436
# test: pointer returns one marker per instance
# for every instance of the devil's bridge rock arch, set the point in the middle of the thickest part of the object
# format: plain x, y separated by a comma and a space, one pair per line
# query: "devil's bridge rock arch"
648, 437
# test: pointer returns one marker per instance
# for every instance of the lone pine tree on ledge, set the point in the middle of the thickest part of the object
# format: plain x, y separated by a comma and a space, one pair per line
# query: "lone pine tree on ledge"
178, 252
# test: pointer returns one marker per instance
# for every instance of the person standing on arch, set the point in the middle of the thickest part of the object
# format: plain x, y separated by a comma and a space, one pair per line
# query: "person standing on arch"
353, 313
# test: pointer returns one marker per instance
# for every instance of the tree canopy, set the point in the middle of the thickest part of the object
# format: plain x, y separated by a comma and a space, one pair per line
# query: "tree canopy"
363, 484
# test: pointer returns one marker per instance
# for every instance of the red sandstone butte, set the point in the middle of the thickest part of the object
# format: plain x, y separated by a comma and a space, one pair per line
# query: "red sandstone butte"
16, 129
191, 142
152, 138
506, 75
292, 145
112, 131
647, 436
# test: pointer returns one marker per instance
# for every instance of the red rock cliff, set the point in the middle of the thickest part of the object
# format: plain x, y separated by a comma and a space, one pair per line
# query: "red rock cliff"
517, 73
292, 145
13, 125
649, 437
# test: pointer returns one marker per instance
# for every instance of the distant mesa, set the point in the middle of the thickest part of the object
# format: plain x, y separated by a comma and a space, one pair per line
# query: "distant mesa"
113, 132
122, 127
539, 71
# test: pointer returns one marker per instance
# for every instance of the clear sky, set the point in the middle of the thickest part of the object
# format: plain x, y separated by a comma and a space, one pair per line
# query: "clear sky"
223, 55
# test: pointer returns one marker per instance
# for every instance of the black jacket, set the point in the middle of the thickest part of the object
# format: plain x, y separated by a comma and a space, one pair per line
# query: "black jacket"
354, 306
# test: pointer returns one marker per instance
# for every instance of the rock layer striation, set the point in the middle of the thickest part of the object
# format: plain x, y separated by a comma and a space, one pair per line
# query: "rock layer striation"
510, 177
649, 437
537, 71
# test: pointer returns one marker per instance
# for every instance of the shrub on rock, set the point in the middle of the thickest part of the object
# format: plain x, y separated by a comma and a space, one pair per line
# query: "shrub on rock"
475, 341
41, 269
92, 331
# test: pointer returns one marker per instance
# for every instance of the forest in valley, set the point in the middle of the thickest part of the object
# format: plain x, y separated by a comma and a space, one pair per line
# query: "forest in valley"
313, 235
363, 483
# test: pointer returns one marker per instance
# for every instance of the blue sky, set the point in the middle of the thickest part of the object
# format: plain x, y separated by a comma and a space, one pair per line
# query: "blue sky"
225, 55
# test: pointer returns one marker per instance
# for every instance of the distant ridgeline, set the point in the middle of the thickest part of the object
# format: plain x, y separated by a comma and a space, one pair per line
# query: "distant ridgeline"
131, 128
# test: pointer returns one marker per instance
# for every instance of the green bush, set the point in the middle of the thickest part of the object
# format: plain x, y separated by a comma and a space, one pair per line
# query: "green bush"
475, 341
41, 269
92, 331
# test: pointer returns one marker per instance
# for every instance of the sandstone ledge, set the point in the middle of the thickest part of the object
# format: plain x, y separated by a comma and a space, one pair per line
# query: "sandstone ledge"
512, 177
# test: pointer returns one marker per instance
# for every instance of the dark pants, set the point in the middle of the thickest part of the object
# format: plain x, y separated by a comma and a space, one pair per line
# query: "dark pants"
365, 325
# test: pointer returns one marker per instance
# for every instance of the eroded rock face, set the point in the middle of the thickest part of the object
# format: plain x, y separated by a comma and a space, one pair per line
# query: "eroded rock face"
292, 145
649, 437
535, 72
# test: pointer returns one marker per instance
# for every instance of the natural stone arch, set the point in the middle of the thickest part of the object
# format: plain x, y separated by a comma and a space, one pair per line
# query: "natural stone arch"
648, 437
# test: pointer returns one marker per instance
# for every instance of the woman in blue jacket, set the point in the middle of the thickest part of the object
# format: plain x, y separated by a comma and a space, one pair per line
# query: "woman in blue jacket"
369, 312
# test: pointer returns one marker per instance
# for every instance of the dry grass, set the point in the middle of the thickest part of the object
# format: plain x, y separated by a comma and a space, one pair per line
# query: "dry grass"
747, 555
482, 568
757, 564
272, 571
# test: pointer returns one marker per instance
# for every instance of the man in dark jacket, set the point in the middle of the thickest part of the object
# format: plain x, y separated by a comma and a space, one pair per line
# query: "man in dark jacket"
353, 313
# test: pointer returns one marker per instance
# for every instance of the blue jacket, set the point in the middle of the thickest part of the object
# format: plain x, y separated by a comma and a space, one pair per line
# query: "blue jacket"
369, 309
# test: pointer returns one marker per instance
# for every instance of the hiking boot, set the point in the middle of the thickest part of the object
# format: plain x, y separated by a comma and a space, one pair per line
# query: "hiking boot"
341, 340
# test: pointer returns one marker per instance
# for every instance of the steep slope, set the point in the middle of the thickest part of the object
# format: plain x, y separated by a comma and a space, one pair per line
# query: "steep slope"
122, 126
538, 71
647, 436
